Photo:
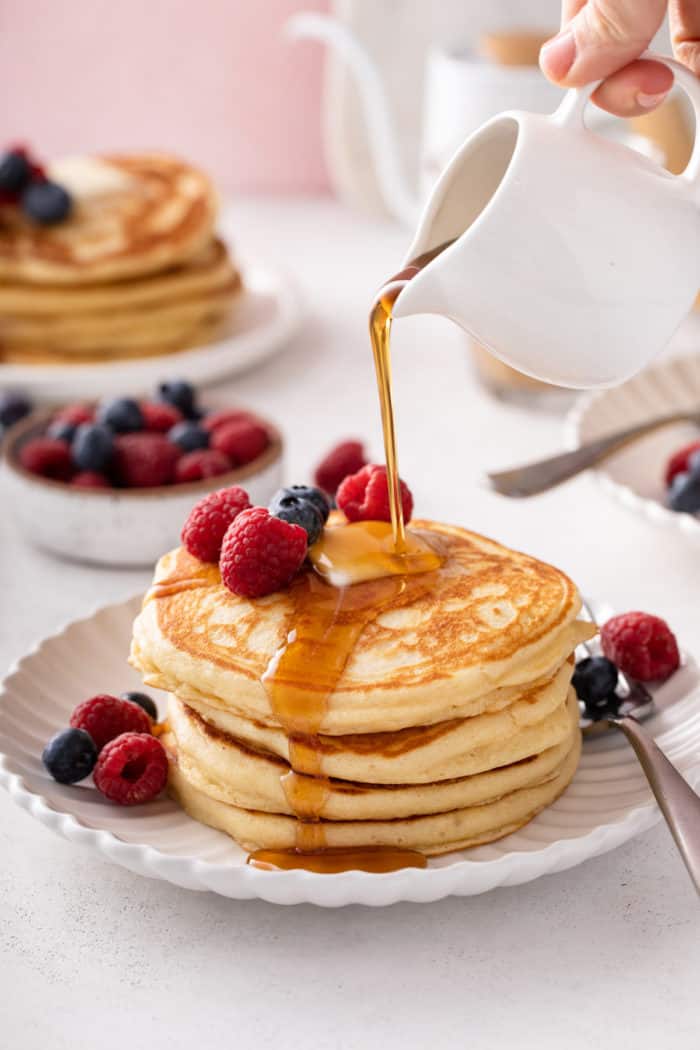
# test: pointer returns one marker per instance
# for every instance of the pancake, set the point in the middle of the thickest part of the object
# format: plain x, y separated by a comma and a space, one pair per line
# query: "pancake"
209, 270
132, 215
172, 322
419, 754
225, 769
432, 834
490, 619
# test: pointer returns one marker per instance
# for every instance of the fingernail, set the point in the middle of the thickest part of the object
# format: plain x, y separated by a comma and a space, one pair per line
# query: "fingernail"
650, 101
558, 54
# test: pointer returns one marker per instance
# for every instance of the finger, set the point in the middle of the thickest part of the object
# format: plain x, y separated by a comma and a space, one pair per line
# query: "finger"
685, 32
569, 10
636, 89
602, 38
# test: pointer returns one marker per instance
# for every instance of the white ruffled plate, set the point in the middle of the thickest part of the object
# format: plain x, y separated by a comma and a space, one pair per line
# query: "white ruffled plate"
635, 476
607, 803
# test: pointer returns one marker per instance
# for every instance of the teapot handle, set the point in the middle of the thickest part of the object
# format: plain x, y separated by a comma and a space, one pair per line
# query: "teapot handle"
570, 111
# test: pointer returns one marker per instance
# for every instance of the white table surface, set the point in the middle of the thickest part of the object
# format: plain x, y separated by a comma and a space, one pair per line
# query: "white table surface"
604, 956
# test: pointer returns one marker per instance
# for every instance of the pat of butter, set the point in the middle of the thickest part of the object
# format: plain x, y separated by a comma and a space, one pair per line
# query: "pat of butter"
88, 177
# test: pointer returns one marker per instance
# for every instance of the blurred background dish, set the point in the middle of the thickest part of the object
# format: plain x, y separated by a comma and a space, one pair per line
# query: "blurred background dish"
636, 476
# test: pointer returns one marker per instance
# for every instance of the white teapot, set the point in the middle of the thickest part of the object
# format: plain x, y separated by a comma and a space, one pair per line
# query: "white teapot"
573, 258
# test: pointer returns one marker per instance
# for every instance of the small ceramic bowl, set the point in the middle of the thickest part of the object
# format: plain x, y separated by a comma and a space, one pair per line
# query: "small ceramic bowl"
128, 527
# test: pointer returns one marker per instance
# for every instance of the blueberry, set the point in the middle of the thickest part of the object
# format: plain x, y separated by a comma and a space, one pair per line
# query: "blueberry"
45, 202
684, 494
189, 436
181, 394
70, 755
144, 701
14, 172
694, 463
60, 430
122, 415
595, 681
92, 446
609, 707
13, 406
298, 511
313, 495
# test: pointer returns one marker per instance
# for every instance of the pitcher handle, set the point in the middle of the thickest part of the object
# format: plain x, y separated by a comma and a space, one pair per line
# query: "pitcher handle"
570, 110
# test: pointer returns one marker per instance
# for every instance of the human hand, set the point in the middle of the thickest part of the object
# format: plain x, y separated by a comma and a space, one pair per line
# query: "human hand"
603, 39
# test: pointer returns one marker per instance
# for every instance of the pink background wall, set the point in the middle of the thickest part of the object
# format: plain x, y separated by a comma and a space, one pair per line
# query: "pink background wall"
214, 80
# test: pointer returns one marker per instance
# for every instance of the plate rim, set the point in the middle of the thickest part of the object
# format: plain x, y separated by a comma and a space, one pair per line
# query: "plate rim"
653, 510
241, 881
268, 338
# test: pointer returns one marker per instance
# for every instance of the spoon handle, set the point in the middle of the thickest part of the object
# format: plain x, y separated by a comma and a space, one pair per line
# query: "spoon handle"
678, 802
533, 478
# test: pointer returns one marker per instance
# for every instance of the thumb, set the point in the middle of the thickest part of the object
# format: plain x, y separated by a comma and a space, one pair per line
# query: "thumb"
603, 37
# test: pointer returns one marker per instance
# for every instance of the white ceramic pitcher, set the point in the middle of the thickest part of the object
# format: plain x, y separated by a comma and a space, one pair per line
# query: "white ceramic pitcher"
574, 258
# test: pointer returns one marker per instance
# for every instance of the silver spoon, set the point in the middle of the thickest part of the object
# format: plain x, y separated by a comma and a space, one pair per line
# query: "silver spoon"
533, 478
679, 804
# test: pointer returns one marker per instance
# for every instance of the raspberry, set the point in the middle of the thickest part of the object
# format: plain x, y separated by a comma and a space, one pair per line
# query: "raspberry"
143, 459
365, 496
241, 440
48, 457
160, 416
643, 646
226, 415
204, 530
90, 479
260, 554
346, 458
105, 717
132, 768
75, 415
680, 461
202, 463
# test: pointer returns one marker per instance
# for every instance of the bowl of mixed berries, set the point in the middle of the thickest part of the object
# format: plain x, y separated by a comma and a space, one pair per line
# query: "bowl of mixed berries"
108, 482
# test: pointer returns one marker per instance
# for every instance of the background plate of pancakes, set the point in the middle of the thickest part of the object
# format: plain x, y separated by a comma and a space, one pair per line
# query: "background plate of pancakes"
635, 475
135, 273
607, 803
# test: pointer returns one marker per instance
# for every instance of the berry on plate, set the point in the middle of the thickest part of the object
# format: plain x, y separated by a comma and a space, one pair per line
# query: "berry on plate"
48, 458
595, 681
59, 430
70, 756
643, 646
206, 525
181, 394
144, 701
189, 436
346, 458
313, 495
15, 171
365, 496
104, 717
684, 492
90, 479
131, 769
92, 447
289, 505
680, 461
260, 553
75, 414
242, 441
122, 414
145, 459
13, 407
204, 463
226, 415
160, 416
46, 202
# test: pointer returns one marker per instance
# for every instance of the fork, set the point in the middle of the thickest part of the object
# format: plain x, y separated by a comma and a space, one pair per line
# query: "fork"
533, 478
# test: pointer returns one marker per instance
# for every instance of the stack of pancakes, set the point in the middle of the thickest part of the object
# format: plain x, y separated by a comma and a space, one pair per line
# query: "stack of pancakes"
135, 270
449, 721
